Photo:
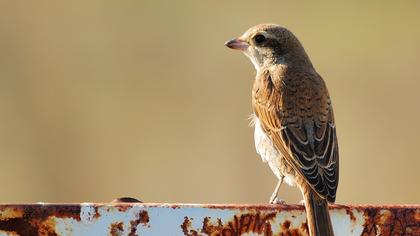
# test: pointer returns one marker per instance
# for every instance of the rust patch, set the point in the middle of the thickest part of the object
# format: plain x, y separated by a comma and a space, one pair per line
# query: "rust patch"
142, 218
117, 229
258, 223
47, 227
35, 220
287, 231
350, 213
208, 228
391, 221
8, 233
97, 214
185, 227
285, 225
10, 213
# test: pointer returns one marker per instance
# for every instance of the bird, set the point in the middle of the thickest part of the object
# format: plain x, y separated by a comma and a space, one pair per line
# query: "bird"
294, 127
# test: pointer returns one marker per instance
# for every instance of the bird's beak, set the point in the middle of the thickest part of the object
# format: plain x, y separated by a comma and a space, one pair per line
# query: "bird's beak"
238, 44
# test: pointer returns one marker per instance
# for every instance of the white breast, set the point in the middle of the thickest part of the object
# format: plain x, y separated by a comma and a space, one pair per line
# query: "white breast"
265, 148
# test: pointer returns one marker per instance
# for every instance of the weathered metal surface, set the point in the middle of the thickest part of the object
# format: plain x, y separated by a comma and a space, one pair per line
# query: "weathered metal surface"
194, 219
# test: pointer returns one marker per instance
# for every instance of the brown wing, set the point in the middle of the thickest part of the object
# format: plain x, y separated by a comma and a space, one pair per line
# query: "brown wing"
298, 116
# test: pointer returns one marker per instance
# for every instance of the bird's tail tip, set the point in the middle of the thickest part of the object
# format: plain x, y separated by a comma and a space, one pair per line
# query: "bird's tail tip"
319, 220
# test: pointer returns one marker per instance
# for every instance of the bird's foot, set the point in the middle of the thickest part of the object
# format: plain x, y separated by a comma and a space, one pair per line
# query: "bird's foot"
276, 200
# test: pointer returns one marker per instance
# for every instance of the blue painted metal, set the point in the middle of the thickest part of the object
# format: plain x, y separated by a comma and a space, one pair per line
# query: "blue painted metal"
198, 219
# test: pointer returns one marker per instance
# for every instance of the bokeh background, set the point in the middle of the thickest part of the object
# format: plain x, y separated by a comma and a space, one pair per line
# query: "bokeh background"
103, 99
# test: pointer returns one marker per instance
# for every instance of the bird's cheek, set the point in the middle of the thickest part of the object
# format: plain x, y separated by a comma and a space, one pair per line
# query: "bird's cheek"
253, 55
258, 57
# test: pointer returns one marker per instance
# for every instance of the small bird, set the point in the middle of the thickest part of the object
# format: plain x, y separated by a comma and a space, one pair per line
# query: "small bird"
295, 131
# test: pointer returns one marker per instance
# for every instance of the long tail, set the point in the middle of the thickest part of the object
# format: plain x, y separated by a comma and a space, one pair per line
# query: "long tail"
319, 221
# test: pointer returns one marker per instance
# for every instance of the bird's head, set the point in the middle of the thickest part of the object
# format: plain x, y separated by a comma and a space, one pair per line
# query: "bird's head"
268, 44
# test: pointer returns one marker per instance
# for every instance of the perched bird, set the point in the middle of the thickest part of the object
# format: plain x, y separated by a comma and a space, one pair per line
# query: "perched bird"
294, 122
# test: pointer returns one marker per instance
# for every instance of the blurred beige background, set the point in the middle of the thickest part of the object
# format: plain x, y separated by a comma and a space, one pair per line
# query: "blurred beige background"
103, 99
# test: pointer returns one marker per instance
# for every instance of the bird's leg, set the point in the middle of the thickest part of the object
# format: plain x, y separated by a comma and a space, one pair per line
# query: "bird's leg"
274, 196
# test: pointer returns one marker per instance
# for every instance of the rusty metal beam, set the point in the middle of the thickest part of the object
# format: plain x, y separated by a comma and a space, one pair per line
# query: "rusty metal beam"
199, 219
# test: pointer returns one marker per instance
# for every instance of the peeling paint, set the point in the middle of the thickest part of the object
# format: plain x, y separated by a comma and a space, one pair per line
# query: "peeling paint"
117, 219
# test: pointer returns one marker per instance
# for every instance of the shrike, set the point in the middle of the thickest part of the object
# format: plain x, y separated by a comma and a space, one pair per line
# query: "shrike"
294, 122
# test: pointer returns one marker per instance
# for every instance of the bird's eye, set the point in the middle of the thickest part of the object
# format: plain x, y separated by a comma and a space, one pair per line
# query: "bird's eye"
259, 38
